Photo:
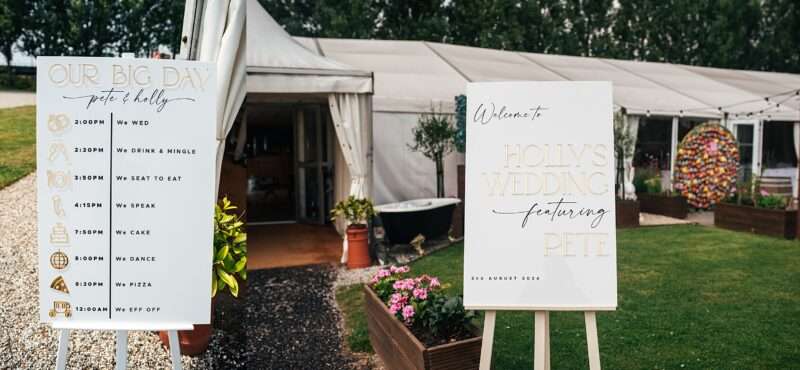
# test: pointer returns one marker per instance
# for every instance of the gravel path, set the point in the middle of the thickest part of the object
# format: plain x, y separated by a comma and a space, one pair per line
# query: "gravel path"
13, 98
297, 324
26, 344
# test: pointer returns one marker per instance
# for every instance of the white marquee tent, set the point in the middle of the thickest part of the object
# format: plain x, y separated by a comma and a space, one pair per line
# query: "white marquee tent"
412, 76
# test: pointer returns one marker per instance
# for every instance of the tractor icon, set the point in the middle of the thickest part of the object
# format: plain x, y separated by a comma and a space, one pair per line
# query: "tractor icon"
61, 307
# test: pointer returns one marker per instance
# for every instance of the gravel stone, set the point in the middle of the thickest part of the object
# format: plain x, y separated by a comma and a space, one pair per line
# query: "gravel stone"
294, 323
27, 344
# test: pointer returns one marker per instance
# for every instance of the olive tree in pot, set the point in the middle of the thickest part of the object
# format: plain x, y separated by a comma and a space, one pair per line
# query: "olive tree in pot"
434, 138
229, 269
356, 212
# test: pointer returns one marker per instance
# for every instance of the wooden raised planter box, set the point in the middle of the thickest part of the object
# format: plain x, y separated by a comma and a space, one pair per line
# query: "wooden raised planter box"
772, 222
627, 213
401, 350
672, 206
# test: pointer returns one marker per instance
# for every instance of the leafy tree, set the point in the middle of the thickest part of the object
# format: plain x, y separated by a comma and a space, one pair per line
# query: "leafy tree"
145, 24
433, 138
12, 16
412, 19
102, 27
325, 18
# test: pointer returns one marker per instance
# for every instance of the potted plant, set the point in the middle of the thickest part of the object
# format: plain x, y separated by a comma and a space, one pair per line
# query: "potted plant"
356, 212
755, 210
627, 210
229, 269
413, 324
434, 138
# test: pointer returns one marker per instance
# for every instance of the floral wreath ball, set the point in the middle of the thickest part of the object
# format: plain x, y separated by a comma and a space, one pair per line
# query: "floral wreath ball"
706, 165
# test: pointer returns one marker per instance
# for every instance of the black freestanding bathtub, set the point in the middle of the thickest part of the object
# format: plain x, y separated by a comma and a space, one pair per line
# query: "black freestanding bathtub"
403, 221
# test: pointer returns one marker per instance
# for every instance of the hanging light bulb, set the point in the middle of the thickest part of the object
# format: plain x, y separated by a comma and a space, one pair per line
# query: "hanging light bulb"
647, 113
681, 113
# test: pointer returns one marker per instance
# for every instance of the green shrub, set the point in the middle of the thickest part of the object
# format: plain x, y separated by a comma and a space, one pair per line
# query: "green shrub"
230, 250
771, 202
653, 185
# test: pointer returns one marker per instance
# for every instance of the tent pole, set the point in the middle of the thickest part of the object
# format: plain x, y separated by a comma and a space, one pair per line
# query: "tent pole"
190, 35
673, 150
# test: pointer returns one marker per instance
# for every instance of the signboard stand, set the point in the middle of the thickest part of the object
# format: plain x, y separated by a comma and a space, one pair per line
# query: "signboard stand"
541, 342
124, 146
540, 232
121, 354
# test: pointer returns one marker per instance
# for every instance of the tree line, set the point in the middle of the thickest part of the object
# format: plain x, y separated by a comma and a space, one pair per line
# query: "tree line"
746, 34
89, 27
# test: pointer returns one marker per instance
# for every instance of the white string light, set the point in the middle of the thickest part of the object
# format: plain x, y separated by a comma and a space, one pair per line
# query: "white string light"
772, 102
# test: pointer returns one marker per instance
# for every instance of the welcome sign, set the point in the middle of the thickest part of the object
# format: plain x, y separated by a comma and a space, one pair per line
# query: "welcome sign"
125, 179
540, 231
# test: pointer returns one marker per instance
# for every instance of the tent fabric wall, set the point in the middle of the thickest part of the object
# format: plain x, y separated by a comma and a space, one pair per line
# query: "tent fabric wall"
352, 121
401, 174
223, 42
632, 128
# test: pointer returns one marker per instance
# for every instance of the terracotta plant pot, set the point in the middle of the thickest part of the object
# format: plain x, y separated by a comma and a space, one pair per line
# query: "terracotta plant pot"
192, 342
358, 247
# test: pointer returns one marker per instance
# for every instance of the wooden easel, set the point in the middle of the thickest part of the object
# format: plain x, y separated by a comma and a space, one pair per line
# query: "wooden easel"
121, 354
541, 340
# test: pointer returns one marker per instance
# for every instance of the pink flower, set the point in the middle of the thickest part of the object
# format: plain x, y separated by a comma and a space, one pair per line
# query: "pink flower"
405, 284
399, 270
395, 308
764, 193
398, 298
435, 283
408, 312
420, 293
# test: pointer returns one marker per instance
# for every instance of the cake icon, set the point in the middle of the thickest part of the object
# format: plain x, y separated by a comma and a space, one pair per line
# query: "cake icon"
59, 234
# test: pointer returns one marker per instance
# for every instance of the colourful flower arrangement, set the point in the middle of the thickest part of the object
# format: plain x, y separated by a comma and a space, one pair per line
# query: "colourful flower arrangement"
420, 303
706, 165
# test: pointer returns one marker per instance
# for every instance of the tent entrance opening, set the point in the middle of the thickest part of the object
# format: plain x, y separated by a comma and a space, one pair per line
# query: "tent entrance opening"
290, 165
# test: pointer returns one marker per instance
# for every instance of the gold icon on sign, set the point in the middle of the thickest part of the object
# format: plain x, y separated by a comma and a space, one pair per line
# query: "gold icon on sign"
57, 208
58, 123
61, 307
58, 179
56, 150
59, 234
59, 260
60, 285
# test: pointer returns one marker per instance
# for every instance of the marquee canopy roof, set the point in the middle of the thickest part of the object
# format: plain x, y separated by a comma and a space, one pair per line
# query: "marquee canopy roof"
411, 76
276, 63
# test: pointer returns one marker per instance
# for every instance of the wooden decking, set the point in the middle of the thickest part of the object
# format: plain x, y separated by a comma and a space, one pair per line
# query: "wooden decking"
285, 245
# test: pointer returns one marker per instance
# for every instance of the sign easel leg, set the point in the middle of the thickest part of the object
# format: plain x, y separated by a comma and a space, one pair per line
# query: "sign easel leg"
488, 339
592, 343
175, 350
63, 349
541, 341
121, 357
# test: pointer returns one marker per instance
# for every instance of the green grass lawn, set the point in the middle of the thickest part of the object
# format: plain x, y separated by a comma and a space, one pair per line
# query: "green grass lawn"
690, 297
17, 143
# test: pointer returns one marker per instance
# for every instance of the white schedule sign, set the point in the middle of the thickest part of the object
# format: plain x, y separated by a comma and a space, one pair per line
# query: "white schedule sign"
540, 226
125, 181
